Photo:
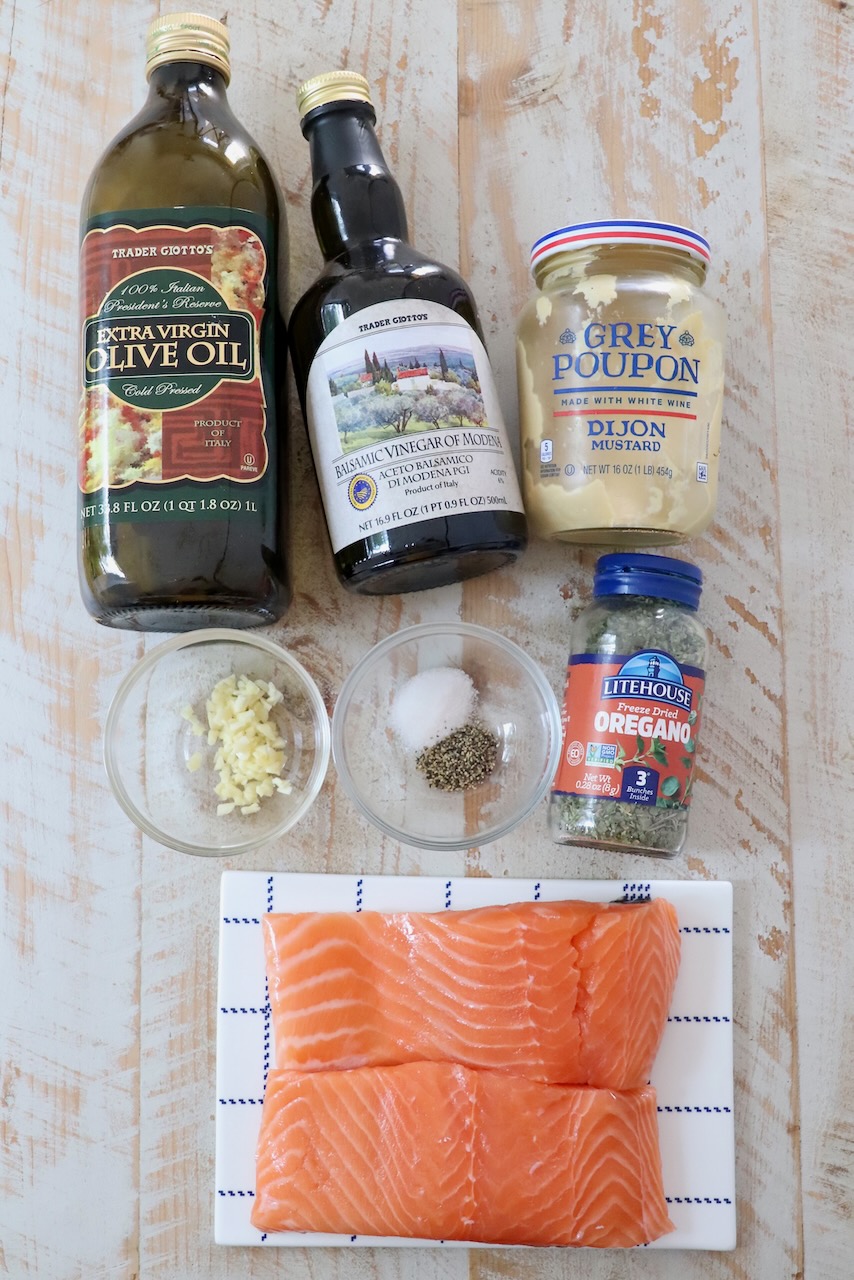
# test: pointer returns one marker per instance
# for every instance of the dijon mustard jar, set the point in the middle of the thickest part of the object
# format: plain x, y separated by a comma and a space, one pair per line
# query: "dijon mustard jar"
620, 367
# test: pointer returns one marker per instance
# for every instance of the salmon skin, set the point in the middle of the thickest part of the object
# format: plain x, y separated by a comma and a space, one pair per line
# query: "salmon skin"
439, 1152
560, 992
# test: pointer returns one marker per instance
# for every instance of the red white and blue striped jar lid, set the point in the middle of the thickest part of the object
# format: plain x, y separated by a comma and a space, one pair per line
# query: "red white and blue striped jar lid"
615, 231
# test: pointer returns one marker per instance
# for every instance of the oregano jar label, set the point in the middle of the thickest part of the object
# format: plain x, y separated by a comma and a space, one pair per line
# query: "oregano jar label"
630, 728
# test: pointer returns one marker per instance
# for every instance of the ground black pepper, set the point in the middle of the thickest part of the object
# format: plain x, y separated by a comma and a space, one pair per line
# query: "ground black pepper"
461, 760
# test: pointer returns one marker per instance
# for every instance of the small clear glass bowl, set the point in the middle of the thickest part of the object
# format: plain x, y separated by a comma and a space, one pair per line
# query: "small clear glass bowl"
515, 703
148, 742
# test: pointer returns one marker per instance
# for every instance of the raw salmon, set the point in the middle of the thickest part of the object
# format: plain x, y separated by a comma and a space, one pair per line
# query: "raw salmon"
561, 992
440, 1152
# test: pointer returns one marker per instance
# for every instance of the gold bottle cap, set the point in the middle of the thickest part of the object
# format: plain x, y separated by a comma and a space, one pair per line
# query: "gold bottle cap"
188, 37
332, 86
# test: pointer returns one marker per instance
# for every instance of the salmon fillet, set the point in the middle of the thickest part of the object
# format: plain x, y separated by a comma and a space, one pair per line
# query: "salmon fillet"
440, 1152
561, 992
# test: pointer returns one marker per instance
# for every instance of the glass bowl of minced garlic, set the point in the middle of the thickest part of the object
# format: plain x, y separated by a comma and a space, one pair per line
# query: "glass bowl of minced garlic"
217, 742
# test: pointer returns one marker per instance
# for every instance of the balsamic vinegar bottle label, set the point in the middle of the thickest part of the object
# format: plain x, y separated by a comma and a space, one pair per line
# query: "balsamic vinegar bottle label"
175, 414
405, 422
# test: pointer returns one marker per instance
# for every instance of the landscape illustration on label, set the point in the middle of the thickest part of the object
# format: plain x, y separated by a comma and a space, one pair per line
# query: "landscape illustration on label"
405, 390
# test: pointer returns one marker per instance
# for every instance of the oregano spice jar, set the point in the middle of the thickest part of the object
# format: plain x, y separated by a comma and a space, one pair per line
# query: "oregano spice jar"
632, 708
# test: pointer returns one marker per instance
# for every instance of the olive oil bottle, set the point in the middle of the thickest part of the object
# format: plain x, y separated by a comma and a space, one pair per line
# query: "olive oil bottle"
181, 441
417, 480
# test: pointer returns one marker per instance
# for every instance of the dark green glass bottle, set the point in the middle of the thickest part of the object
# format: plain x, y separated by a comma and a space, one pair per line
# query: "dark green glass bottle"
182, 444
418, 483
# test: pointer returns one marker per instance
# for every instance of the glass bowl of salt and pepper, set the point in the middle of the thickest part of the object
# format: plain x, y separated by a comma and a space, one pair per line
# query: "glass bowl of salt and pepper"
446, 735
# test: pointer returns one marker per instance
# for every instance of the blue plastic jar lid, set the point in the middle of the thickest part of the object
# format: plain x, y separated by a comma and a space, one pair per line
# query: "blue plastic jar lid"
636, 574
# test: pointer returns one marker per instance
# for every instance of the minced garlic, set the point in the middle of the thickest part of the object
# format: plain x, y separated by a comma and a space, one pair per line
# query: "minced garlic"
250, 754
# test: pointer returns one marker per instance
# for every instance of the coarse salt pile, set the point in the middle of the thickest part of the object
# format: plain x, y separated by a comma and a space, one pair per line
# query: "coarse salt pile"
432, 705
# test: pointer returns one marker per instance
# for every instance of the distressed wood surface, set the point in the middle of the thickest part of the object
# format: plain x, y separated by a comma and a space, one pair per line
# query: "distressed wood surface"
810, 190
501, 121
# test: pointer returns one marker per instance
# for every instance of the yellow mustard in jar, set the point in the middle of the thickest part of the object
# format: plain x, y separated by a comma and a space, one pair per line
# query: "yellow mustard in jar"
620, 367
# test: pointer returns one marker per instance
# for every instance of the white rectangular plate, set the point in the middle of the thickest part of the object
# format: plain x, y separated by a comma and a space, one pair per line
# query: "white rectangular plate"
692, 1073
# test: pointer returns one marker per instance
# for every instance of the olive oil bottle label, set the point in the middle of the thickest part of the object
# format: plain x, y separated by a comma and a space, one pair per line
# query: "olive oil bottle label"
630, 727
176, 347
405, 423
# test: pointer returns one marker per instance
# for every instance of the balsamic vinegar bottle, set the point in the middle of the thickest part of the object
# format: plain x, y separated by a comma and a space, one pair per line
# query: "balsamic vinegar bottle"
417, 480
181, 448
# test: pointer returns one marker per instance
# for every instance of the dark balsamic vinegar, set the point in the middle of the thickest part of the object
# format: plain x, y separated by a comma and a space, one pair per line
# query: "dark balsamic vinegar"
360, 221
